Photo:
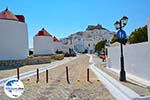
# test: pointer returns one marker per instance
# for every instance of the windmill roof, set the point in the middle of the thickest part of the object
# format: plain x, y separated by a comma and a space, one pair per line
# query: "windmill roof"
6, 14
43, 32
55, 39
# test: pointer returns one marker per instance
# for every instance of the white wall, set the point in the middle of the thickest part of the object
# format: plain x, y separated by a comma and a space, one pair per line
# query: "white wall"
65, 48
136, 58
43, 45
80, 45
91, 47
57, 46
13, 40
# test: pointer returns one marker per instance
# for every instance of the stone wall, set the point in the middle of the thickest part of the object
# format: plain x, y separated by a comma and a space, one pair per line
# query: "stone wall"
32, 60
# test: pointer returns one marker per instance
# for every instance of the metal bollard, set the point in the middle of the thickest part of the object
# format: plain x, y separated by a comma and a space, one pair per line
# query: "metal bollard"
88, 71
18, 73
37, 80
46, 76
67, 75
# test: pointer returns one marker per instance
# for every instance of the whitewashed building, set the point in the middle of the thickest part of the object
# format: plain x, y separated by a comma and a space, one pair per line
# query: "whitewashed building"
57, 44
85, 41
66, 44
84, 44
14, 36
43, 43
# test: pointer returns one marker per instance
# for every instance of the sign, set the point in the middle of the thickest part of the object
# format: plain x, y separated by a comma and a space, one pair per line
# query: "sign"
121, 35
14, 88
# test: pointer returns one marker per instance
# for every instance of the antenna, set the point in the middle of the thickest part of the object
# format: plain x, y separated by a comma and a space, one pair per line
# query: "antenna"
6, 8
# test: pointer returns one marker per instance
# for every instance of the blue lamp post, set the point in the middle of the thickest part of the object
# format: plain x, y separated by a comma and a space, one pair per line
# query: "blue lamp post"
121, 35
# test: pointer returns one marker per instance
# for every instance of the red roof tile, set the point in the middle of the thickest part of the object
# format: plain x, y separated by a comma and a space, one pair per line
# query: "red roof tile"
43, 32
6, 14
55, 39
21, 18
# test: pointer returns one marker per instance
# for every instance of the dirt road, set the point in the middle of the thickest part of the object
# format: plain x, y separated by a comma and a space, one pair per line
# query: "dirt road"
58, 88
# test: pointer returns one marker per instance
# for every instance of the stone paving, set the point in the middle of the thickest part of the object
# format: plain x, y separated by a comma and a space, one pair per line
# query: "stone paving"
130, 84
58, 89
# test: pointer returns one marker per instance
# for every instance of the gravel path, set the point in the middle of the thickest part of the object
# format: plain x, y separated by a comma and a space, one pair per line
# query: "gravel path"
12, 71
59, 89
32, 72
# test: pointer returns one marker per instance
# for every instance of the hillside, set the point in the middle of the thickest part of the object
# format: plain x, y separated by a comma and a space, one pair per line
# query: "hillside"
95, 33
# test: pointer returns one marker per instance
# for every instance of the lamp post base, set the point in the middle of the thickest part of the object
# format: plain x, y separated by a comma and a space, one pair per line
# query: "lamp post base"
122, 76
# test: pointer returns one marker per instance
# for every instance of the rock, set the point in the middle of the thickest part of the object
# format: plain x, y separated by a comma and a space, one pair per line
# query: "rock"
92, 27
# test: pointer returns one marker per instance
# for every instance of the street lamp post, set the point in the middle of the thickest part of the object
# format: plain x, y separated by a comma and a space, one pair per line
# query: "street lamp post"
121, 36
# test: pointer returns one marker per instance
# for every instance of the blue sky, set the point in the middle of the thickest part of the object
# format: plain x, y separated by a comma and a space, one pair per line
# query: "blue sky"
64, 17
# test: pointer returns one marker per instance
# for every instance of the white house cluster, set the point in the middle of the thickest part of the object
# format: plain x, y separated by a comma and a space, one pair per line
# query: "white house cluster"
14, 39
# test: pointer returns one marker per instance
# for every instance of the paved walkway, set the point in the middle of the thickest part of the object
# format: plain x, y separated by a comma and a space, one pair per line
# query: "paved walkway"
59, 89
113, 85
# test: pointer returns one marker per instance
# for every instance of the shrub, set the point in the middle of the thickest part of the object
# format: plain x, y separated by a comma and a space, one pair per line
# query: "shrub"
59, 56
30, 52
59, 52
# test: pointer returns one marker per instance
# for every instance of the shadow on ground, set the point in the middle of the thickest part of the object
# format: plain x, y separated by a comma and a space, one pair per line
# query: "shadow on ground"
9, 67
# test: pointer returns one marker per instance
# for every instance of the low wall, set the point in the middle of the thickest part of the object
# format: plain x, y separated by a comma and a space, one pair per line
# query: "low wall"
31, 60
136, 59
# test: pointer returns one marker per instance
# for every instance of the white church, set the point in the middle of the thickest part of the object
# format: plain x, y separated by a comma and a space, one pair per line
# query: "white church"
14, 36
